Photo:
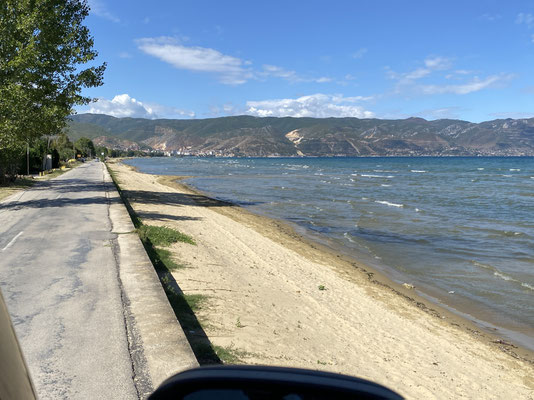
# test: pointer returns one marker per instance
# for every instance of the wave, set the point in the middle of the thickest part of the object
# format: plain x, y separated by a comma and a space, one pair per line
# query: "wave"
420, 171
346, 235
377, 176
515, 169
387, 203
499, 274
480, 169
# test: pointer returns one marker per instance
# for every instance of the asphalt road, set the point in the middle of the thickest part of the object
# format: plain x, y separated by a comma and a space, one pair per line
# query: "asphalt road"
60, 281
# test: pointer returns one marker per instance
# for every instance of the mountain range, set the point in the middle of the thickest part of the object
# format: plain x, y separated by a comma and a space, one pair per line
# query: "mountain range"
287, 136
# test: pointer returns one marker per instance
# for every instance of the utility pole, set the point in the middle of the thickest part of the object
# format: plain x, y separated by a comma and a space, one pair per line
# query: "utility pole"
27, 157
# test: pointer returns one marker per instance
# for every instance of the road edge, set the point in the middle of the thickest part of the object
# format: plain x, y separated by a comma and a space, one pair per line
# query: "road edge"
158, 345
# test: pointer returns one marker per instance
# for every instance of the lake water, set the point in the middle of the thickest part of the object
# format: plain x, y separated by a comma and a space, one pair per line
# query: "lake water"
460, 229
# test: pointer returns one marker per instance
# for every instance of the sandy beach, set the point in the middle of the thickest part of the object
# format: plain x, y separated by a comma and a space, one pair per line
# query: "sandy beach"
273, 297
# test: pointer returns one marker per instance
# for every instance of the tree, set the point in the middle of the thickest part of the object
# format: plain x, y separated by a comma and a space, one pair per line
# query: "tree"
85, 146
64, 147
42, 45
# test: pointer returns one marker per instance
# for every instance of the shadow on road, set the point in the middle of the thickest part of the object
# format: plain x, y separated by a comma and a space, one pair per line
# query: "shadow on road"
61, 202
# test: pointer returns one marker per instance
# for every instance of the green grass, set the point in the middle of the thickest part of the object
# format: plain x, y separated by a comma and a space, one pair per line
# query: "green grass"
165, 257
195, 301
229, 354
162, 235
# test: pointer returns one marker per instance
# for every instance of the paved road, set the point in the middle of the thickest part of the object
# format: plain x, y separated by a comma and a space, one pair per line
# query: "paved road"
59, 277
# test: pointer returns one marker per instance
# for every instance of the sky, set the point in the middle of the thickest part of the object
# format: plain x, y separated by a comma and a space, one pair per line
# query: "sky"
470, 60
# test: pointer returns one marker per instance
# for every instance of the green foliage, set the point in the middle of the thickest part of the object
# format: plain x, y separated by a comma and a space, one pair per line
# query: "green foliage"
85, 147
230, 354
42, 46
162, 235
64, 147
195, 301
163, 259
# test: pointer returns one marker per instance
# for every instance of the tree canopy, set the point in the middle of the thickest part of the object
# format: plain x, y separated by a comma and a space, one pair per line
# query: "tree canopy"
43, 45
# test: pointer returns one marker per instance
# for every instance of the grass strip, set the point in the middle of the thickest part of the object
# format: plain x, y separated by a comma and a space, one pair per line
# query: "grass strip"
229, 354
162, 235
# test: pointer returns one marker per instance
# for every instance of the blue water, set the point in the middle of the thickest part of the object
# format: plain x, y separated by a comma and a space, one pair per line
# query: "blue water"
460, 229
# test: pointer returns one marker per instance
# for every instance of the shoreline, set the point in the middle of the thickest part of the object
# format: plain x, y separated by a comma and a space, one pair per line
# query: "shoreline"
348, 265
359, 323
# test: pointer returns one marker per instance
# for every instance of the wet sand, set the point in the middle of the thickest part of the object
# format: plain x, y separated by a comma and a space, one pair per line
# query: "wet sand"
274, 297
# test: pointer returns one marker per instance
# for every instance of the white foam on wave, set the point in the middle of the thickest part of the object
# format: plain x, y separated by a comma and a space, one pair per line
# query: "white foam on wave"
387, 203
385, 185
346, 235
515, 169
377, 176
502, 275
420, 171
506, 176
417, 210
480, 169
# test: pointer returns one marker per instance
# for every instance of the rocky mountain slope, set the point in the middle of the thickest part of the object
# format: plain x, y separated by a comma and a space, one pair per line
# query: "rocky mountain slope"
253, 136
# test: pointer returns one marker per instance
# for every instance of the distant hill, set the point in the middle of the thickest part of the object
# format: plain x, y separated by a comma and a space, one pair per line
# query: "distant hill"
270, 136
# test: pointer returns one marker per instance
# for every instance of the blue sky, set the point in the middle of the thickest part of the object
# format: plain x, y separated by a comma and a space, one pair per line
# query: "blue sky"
470, 60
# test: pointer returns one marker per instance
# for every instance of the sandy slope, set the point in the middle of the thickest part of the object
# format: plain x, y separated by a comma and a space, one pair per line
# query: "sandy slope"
263, 300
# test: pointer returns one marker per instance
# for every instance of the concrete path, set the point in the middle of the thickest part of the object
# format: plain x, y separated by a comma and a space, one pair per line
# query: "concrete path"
60, 272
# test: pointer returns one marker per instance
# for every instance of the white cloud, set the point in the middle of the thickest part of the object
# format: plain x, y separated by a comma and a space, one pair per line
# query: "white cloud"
125, 54
317, 106
525, 18
409, 81
279, 72
123, 105
432, 64
230, 70
360, 53
474, 85
289, 75
98, 8
438, 63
